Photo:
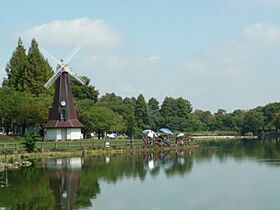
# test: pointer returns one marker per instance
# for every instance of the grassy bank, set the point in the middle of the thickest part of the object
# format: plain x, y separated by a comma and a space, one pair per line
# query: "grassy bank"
5, 138
56, 154
53, 149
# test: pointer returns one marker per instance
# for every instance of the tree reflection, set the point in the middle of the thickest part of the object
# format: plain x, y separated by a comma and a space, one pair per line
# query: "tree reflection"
64, 177
28, 189
72, 183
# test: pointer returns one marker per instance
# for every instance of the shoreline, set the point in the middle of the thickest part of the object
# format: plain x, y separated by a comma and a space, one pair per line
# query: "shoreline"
89, 152
214, 137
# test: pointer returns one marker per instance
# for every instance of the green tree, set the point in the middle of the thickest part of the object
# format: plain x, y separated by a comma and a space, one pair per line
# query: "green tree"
33, 112
206, 118
39, 70
253, 122
9, 109
28, 73
17, 70
176, 113
110, 98
123, 107
141, 114
183, 108
276, 120
20, 111
86, 91
83, 107
129, 116
102, 119
156, 119
269, 112
223, 121
238, 117
153, 104
190, 124
168, 107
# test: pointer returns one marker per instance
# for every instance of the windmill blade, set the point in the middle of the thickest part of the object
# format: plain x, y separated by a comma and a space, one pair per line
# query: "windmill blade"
53, 78
50, 55
81, 80
72, 54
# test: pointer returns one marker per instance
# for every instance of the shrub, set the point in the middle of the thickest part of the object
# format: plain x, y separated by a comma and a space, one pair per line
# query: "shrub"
30, 140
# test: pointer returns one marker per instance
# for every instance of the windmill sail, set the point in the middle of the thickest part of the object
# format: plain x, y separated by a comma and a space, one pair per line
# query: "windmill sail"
73, 53
50, 55
63, 67
80, 79
53, 78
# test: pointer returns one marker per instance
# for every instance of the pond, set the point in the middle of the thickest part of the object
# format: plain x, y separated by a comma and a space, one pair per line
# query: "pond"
220, 175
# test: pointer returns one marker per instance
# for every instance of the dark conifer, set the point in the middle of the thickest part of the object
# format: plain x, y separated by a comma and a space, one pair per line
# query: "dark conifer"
39, 69
141, 113
17, 69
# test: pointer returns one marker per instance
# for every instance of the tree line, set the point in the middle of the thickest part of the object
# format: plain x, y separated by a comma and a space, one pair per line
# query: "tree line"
25, 103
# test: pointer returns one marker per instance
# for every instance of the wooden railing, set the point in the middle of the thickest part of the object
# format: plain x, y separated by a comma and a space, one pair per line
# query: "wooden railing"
76, 145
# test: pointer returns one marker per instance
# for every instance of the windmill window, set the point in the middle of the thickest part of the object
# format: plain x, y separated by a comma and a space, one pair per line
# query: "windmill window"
63, 115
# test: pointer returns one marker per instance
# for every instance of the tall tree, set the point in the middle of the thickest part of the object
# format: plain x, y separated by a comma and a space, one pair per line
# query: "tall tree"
184, 107
17, 69
276, 121
102, 119
28, 73
205, 117
39, 70
141, 113
84, 92
153, 104
123, 107
154, 114
176, 113
269, 112
253, 122
129, 116
238, 117
9, 109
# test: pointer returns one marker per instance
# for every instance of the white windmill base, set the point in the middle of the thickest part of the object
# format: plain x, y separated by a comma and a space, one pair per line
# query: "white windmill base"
63, 134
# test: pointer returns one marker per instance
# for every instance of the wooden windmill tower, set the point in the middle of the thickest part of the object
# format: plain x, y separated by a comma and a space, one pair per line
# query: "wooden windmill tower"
63, 123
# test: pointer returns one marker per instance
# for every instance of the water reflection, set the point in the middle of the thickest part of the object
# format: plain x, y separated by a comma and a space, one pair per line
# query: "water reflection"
64, 175
74, 183
171, 163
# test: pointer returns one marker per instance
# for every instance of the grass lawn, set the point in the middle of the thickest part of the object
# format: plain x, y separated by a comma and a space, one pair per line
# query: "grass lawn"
7, 139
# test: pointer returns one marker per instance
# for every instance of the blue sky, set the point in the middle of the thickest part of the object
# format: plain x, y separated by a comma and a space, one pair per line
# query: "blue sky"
217, 54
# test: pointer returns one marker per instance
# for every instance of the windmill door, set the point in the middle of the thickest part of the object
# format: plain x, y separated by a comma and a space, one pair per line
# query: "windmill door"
63, 134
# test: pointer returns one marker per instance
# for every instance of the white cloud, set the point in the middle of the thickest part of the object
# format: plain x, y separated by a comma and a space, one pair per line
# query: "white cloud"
230, 76
239, 74
111, 62
123, 75
154, 58
263, 32
69, 33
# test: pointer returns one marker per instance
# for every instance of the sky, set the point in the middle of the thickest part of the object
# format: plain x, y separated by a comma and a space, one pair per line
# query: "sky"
216, 54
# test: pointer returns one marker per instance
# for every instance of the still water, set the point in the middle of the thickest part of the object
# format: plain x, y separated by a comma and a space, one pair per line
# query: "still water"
217, 176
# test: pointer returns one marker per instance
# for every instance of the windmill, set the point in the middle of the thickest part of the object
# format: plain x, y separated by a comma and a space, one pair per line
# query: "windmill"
63, 123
